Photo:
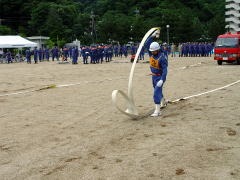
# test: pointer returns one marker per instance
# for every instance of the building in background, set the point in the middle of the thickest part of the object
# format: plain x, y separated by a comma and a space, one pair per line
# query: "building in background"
40, 40
74, 44
232, 15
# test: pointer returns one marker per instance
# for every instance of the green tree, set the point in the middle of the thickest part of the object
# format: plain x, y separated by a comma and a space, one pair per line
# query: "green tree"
66, 20
4, 30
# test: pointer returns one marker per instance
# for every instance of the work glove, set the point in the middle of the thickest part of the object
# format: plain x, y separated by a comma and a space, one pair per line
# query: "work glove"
160, 83
156, 34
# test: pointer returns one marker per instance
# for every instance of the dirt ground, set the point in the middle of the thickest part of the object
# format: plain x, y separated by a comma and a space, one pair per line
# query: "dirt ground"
76, 133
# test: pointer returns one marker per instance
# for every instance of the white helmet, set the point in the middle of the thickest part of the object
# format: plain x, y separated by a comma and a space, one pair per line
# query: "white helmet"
154, 46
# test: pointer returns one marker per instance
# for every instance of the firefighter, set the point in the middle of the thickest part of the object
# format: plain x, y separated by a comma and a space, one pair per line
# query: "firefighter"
47, 54
110, 51
105, 53
28, 56
35, 55
75, 55
9, 57
40, 54
125, 51
101, 53
65, 53
158, 67
84, 55
116, 51
142, 54
191, 50
55, 54
121, 51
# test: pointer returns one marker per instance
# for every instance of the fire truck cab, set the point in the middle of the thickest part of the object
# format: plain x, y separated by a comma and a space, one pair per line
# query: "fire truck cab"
227, 48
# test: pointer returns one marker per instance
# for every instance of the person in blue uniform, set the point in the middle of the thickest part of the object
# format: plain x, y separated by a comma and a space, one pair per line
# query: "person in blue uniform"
94, 55
158, 67
195, 46
210, 48
55, 54
106, 54
125, 52
187, 49
133, 50
116, 51
65, 53
35, 55
201, 49
75, 55
43, 54
70, 52
191, 50
110, 51
40, 54
84, 55
197, 50
28, 56
98, 55
142, 54
205, 49
121, 51
101, 53
164, 50
9, 57
91, 55
47, 54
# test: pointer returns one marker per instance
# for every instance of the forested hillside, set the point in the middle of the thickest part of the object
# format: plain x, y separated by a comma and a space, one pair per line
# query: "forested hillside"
120, 20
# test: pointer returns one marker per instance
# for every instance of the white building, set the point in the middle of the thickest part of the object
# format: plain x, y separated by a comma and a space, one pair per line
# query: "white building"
40, 40
233, 15
73, 44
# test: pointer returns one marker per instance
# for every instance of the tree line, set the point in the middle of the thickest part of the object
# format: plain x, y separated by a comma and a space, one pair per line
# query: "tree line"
95, 21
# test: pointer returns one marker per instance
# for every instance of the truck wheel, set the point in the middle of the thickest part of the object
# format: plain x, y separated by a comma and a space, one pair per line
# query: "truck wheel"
219, 62
238, 61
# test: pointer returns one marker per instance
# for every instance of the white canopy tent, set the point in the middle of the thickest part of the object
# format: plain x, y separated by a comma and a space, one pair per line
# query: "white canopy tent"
15, 42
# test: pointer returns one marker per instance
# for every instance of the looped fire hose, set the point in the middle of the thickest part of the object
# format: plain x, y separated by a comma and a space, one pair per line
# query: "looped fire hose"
132, 109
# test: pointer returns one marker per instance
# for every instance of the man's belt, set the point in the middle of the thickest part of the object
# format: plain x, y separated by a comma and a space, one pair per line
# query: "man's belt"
155, 74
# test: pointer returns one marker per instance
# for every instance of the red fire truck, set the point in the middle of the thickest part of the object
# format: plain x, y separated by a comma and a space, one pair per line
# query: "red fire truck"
227, 48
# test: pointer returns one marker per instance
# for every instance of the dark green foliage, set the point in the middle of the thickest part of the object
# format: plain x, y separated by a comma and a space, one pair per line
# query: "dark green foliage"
119, 20
4, 30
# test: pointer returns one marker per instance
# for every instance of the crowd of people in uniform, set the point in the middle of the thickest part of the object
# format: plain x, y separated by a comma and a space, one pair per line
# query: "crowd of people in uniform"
90, 54
40, 54
96, 54
192, 49
9, 57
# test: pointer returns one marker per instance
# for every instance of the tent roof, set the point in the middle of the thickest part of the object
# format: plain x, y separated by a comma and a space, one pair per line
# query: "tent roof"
38, 38
15, 42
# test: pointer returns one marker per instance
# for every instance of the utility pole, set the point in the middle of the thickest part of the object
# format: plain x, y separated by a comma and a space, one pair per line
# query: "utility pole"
168, 26
131, 32
92, 26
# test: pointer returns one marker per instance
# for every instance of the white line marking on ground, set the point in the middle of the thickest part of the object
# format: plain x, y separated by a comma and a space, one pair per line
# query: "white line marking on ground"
85, 82
16, 93
58, 86
207, 92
